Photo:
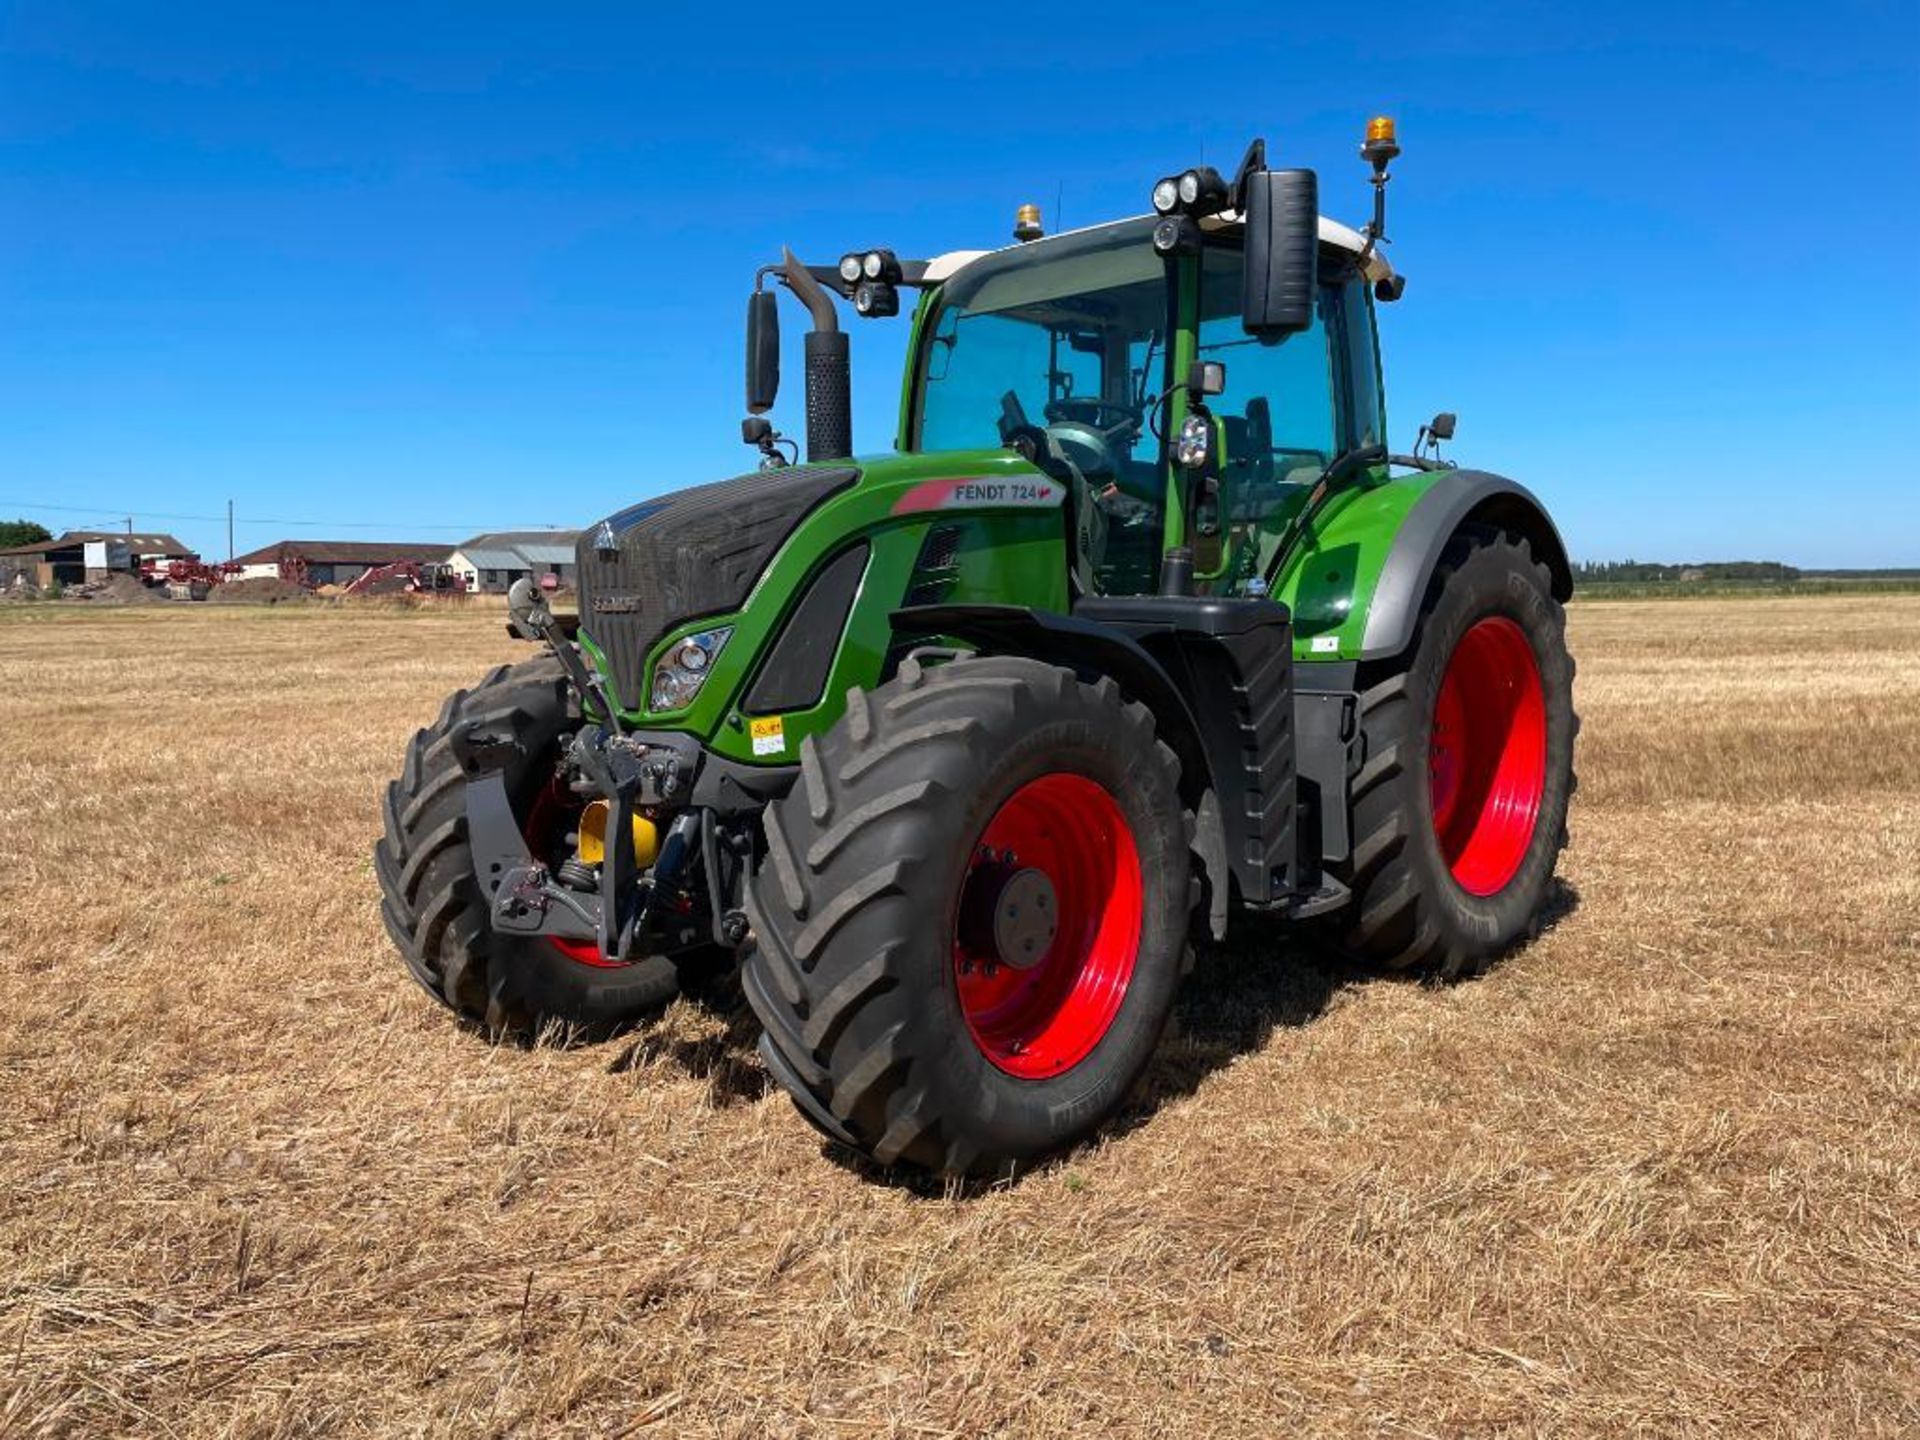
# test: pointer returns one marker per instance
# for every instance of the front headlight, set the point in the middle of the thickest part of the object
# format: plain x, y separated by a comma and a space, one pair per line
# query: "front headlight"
1190, 451
685, 667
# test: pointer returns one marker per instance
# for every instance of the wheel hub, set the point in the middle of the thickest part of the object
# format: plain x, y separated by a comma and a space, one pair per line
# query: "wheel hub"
1047, 926
1008, 914
1487, 755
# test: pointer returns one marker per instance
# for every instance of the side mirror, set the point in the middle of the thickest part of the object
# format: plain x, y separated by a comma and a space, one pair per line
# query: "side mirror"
763, 351
1441, 426
1282, 252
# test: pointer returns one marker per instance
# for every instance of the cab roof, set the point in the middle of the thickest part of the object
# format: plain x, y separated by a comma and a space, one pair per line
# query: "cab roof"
1332, 232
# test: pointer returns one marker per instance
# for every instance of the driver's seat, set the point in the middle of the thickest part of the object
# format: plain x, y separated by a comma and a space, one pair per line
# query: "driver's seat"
1250, 442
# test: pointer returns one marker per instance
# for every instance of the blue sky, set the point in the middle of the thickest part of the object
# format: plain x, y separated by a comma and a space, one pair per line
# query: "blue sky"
406, 270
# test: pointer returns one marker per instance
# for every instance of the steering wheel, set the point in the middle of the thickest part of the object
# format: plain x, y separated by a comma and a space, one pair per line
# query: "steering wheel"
1092, 412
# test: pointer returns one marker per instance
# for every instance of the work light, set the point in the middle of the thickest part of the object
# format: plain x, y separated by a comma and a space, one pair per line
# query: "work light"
1166, 195
1201, 190
1175, 234
1195, 443
880, 265
850, 268
875, 299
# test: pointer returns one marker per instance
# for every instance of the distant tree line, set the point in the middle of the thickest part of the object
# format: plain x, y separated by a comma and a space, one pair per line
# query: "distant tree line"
1644, 572
21, 532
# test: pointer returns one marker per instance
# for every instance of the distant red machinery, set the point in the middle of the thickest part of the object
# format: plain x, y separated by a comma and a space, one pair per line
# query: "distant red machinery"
188, 579
291, 566
415, 578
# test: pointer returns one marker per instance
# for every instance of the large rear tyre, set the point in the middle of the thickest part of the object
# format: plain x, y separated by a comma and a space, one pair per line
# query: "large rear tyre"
971, 916
1460, 808
434, 907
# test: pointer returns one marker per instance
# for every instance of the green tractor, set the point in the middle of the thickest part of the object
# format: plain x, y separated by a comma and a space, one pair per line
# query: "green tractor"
956, 749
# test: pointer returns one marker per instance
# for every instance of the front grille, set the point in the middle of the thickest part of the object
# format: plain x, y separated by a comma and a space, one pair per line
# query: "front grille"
695, 552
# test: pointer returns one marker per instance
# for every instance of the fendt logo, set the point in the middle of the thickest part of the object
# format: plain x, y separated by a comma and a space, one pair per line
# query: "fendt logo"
616, 604
981, 492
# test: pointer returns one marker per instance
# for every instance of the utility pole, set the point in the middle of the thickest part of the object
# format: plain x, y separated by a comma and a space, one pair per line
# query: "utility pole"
129, 527
229, 532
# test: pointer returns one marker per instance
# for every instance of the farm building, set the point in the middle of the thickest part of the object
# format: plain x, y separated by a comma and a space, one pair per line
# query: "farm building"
492, 562
331, 562
68, 559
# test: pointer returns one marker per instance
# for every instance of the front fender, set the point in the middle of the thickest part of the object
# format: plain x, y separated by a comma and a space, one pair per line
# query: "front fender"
1455, 498
1356, 583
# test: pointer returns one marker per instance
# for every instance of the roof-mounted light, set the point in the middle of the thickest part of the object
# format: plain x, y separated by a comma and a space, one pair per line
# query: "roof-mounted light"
1199, 191
1202, 191
1381, 144
875, 299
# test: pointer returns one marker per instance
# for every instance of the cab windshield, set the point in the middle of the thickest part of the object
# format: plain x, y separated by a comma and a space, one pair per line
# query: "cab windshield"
1069, 334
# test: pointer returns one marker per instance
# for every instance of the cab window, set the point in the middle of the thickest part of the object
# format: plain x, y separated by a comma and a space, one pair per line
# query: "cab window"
1278, 410
1366, 419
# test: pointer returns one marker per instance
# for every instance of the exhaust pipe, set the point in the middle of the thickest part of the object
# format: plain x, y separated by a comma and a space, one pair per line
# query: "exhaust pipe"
829, 368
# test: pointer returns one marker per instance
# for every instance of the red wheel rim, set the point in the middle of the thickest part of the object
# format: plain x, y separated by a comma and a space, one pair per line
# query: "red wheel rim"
1043, 1018
1487, 755
555, 813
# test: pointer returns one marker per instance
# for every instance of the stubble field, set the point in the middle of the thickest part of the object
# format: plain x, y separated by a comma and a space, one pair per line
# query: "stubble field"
1659, 1173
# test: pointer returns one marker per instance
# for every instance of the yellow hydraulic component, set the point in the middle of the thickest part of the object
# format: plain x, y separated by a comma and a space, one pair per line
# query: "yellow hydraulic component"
593, 836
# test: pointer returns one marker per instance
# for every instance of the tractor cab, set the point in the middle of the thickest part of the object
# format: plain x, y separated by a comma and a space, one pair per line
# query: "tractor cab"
1074, 344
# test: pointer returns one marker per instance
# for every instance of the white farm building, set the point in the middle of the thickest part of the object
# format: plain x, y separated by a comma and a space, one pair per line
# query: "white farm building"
492, 562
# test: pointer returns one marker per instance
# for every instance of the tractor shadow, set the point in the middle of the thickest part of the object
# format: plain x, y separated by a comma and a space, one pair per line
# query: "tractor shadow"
1268, 977
716, 1041
1271, 976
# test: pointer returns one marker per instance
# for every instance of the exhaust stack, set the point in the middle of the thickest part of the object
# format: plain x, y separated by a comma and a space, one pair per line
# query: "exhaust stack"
829, 368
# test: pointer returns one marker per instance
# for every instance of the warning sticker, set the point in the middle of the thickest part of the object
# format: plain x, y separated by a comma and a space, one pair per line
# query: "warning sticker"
1326, 644
769, 736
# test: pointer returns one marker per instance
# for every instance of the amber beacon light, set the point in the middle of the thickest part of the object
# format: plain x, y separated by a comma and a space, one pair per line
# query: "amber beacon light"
1381, 144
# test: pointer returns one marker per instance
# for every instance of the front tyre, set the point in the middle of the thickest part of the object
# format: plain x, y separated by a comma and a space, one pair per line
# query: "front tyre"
971, 916
1460, 808
433, 905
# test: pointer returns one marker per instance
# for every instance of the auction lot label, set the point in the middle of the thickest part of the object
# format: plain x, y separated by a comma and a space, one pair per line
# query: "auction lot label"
769, 735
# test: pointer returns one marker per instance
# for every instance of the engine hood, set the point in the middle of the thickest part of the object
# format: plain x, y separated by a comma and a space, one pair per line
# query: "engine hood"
694, 552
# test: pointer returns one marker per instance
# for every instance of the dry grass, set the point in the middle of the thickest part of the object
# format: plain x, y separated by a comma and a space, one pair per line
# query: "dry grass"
1660, 1173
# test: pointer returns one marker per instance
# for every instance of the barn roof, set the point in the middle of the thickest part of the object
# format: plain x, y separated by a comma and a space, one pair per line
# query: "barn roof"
518, 549
348, 552
141, 542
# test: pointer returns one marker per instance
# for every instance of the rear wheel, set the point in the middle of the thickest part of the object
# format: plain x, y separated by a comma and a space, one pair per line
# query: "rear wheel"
1460, 807
433, 905
971, 916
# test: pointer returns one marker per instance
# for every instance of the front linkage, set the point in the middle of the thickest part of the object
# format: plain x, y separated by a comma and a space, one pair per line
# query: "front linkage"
639, 778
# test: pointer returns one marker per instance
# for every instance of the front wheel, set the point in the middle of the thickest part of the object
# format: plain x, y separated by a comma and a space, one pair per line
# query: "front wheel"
1460, 806
434, 906
971, 916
